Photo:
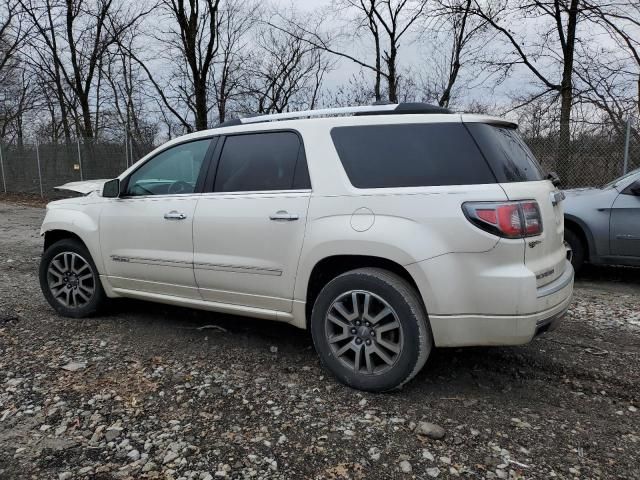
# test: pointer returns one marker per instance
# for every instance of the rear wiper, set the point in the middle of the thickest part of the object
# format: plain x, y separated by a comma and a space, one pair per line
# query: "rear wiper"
555, 179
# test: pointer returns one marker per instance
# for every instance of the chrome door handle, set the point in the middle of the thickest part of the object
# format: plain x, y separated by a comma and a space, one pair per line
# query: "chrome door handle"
174, 215
283, 215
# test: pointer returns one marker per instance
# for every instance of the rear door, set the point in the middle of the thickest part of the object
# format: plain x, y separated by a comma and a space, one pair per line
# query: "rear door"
521, 177
625, 225
249, 226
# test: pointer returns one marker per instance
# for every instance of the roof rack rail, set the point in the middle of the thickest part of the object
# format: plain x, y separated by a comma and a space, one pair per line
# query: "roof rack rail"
376, 109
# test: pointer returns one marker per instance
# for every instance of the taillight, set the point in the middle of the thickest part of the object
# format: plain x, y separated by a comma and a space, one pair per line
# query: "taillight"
506, 219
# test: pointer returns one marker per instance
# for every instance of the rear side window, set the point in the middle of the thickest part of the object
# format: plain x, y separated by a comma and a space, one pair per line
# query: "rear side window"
410, 155
262, 161
506, 152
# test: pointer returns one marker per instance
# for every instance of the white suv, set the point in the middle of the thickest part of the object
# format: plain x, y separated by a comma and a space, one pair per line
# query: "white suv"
384, 230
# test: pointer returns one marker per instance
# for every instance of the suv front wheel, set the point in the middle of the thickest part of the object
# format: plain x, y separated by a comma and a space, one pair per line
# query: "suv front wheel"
69, 279
370, 329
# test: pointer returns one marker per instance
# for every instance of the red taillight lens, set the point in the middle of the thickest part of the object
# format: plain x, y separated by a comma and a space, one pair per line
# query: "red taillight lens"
531, 218
509, 220
489, 216
506, 219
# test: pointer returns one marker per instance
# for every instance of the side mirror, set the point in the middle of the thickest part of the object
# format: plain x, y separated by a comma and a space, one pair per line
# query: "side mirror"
111, 189
633, 189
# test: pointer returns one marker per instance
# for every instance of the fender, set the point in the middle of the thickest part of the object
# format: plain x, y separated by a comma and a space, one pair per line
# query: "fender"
79, 219
593, 254
390, 237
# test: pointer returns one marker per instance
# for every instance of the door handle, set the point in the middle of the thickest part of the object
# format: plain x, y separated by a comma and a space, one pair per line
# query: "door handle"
174, 215
283, 215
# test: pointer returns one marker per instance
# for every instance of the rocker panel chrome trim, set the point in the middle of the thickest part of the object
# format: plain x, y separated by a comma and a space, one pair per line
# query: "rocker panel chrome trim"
199, 265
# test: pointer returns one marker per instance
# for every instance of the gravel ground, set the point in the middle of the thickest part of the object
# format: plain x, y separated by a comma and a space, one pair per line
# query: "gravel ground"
149, 391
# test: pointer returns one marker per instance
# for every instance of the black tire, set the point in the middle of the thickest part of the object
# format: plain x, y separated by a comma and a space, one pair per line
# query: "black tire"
577, 248
78, 307
412, 338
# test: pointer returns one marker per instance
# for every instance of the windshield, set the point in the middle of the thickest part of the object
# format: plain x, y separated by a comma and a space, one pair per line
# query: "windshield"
620, 179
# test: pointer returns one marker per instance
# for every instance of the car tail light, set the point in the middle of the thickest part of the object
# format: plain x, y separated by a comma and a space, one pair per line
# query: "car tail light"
505, 219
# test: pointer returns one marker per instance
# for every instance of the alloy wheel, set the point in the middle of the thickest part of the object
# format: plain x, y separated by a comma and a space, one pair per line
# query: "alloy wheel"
70, 279
364, 332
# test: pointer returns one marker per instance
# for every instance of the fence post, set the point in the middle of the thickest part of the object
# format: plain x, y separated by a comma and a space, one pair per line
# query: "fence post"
39, 172
4, 182
126, 149
80, 159
626, 147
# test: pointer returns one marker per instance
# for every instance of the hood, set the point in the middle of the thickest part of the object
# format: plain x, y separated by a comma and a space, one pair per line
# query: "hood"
84, 187
576, 192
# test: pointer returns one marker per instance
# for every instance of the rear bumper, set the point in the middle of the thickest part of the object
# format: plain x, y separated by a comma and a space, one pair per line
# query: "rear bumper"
479, 330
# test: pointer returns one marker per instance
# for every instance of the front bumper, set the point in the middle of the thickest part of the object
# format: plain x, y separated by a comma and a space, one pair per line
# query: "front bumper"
482, 330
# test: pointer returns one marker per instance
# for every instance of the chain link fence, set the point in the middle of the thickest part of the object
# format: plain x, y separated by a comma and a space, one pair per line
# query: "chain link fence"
591, 160
38, 168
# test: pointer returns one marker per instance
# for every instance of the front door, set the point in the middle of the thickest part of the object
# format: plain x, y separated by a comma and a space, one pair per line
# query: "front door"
146, 234
625, 225
248, 230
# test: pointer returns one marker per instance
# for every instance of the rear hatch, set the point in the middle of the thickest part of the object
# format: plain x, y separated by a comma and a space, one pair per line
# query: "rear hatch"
522, 178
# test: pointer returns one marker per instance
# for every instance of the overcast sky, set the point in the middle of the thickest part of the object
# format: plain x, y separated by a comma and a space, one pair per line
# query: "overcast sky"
417, 54
414, 53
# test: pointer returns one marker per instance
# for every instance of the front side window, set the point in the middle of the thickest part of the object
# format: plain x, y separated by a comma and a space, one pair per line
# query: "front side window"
171, 172
262, 162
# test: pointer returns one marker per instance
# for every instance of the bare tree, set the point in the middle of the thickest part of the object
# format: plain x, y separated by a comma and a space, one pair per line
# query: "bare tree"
128, 96
12, 32
42, 60
14, 85
388, 21
75, 36
286, 72
230, 76
453, 44
366, 19
557, 42
357, 90
189, 48
463, 29
604, 82
621, 19
16, 99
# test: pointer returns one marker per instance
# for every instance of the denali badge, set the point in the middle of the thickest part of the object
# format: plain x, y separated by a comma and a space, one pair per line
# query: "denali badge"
534, 243
545, 274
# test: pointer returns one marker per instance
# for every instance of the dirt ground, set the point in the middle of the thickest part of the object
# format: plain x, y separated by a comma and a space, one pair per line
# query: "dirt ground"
149, 391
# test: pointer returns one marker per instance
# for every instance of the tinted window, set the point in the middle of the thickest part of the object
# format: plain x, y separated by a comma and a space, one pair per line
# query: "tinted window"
173, 171
510, 158
262, 161
413, 155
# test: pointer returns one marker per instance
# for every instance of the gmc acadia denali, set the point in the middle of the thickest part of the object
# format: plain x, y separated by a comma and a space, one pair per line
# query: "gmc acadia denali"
385, 230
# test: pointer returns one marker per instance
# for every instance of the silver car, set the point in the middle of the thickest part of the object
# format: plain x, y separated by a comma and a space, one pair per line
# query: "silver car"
602, 225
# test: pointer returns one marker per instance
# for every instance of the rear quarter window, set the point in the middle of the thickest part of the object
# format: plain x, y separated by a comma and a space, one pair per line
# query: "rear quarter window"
506, 152
410, 155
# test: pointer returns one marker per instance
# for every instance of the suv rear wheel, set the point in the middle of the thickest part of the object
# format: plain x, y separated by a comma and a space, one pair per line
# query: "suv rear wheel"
370, 329
69, 279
